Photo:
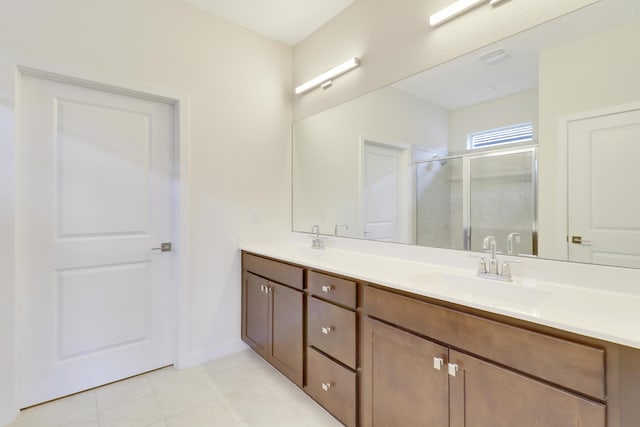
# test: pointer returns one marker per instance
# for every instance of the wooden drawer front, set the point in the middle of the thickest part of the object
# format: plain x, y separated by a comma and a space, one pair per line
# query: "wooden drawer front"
333, 386
333, 330
273, 270
332, 288
572, 365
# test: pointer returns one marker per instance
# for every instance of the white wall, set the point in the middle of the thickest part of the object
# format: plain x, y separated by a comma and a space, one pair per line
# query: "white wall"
239, 86
7, 292
394, 41
589, 74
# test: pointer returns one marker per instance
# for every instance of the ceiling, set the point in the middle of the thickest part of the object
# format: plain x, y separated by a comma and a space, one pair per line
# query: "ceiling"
466, 81
288, 21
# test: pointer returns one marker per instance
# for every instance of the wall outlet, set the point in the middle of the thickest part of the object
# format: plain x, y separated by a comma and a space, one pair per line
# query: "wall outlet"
253, 216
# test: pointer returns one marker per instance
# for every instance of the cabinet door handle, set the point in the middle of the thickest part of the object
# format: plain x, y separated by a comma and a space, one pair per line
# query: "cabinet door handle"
327, 288
327, 386
438, 362
327, 329
453, 369
263, 288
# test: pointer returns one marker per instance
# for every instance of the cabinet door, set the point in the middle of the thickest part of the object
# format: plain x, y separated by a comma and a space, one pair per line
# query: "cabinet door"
485, 395
256, 313
287, 331
400, 385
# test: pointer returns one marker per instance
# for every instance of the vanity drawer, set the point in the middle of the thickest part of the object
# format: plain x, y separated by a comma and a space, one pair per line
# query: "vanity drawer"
332, 386
332, 329
575, 366
276, 271
340, 291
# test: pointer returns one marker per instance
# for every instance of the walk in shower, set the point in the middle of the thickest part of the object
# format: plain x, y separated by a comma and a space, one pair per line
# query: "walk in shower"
461, 199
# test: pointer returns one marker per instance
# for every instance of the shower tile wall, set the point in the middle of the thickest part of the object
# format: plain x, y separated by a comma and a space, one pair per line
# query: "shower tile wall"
437, 195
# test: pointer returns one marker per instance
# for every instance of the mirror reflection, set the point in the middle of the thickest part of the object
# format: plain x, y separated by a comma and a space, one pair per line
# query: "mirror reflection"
531, 140
462, 199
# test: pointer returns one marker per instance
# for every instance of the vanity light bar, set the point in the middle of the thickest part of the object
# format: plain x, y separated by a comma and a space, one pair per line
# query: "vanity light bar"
328, 76
452, 11
458, 8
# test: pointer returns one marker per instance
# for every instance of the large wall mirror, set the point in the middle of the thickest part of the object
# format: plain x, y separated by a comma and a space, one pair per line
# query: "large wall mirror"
534, 140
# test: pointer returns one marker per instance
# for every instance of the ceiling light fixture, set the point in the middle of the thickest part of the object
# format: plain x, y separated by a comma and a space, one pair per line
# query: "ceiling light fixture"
452, 11
495, 3
324, 79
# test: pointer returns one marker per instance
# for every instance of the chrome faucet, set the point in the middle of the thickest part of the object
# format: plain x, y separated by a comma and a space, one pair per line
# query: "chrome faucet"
493, 270
489, 242
335, 229
316, 241
510, 242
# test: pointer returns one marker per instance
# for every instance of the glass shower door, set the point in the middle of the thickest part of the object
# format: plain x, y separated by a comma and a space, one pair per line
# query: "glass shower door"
502, 200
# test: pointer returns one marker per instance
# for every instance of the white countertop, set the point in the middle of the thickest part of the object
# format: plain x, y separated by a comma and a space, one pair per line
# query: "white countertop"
599, 313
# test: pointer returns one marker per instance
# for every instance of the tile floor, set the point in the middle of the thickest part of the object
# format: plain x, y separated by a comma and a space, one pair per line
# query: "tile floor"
237, 390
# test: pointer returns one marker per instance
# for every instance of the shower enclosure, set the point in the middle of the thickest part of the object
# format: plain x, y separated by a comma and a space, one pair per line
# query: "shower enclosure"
461, 199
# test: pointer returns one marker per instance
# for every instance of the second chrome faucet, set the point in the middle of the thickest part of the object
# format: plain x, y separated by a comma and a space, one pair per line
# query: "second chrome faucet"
492, 269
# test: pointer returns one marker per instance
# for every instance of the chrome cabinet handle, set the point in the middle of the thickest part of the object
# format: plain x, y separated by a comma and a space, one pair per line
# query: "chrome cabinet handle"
453, 369
327, 329
327, 386
438, 362
327, 288
266, 289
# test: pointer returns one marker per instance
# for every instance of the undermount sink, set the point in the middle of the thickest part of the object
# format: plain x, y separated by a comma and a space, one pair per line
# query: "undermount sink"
322, 255
480, 290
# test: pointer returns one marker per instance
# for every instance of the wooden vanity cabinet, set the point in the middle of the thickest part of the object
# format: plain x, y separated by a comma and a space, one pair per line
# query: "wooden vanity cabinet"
375, 356
272, 314
414, 356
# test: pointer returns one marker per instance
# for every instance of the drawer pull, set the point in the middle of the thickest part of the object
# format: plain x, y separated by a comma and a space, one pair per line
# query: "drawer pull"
453, 369
327, 288
438, 362
328, 329
327, 386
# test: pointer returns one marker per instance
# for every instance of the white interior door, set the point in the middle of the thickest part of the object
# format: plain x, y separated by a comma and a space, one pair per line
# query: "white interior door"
381, 193
95, 196
603, 179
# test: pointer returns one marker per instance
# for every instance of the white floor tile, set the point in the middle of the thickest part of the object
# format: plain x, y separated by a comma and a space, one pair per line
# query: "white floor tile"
203, 415
140, 413
86, 422
64, 411
241, 390
123, 392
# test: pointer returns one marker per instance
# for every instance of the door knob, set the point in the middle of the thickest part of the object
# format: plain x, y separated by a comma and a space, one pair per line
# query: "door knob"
164, 247
578, 240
